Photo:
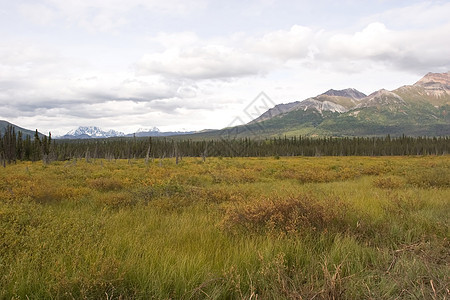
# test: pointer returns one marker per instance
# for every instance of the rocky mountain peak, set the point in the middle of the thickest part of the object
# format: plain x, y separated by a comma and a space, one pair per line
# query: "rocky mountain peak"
91, 132
433, 79
381, 97
349, 93
154, 129
320, 106
435, 84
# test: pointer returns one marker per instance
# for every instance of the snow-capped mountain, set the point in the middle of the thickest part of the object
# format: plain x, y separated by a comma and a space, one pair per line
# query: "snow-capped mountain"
154, 129
93, 132
88, 132
147, 132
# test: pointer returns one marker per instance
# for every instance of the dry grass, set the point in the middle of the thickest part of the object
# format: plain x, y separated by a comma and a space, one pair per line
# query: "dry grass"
242, 228
389, 182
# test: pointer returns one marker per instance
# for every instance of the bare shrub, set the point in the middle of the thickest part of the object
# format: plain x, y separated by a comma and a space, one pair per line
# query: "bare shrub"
333, 287
279, 216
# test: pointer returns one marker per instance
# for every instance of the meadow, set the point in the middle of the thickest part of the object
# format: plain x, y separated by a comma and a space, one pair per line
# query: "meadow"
226, 228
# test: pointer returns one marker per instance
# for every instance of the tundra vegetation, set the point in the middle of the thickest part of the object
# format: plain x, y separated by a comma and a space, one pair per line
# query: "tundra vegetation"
226, 228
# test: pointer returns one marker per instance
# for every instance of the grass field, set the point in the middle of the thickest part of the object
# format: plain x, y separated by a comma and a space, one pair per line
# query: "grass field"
227, 228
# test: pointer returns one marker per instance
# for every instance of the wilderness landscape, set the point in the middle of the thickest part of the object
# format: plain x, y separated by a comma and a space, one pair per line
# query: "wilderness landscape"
212, 149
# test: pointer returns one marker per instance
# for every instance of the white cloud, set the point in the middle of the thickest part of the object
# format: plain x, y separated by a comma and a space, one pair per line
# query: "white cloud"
101, 15
373, 41
413, 50
207, 62
176, 40
284, 44
426, 14
38, 13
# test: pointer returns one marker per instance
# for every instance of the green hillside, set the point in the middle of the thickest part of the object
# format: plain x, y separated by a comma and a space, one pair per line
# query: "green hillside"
25, 132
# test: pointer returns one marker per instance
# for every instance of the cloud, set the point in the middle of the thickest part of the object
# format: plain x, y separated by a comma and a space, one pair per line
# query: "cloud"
30, 81
54, 92
373, 41
101, 15
176, 40
426, 14
409, 50
284, 44
38, 13
207, 62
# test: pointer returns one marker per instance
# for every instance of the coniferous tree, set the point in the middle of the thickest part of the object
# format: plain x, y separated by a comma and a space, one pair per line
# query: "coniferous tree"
19, 146
36, 149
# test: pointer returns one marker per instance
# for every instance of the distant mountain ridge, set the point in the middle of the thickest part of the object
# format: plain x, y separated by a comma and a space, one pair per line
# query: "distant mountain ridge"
89, 132
94, 132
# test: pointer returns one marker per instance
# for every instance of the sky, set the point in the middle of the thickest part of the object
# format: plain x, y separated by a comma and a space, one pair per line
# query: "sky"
183, 65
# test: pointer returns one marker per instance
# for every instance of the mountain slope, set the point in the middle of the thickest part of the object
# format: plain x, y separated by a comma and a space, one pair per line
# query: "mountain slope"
25, 132
332, 100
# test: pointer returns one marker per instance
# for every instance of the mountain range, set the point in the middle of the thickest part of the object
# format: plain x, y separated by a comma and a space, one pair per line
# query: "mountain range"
88, 132
420, 109
93, 132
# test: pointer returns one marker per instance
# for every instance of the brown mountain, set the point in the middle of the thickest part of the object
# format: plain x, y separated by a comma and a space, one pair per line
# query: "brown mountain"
435, 80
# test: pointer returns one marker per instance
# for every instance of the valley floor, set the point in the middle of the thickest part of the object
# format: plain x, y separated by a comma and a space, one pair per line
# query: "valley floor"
226, 228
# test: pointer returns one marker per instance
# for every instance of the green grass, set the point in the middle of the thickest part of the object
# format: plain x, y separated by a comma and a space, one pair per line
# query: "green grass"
288, 228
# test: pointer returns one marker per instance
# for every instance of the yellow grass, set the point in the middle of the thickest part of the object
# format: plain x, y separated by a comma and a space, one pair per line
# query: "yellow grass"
289, 228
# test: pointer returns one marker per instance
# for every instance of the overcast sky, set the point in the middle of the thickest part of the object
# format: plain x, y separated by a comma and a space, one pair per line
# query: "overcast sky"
191, 65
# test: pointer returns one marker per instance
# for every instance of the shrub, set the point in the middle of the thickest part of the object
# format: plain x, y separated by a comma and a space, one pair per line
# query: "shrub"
42, 191
429, 178
105, 184
117, 199
307, 175
233, 176
389, 182
278, 215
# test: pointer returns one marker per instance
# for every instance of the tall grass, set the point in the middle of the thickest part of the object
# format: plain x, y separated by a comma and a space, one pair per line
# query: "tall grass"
285, 228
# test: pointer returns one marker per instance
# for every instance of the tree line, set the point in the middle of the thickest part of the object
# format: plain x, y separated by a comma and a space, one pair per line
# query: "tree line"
14, 146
